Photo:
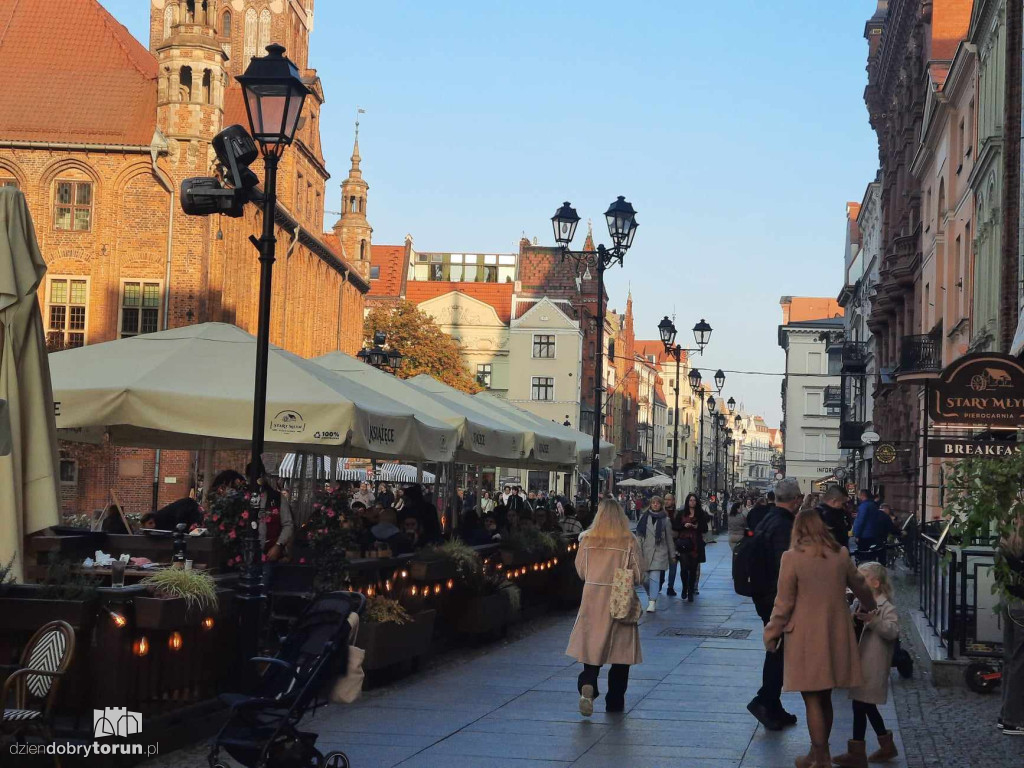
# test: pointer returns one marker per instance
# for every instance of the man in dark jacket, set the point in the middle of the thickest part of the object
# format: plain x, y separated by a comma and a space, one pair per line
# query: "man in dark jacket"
760, 511
833, 511
872, 526
777, 526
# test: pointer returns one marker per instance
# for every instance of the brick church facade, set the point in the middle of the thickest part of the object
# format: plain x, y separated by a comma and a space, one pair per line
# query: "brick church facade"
99, 132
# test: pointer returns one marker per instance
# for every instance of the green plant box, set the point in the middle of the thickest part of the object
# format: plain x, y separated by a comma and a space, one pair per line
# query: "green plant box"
431, 570
22, 608
389, 644
483, 615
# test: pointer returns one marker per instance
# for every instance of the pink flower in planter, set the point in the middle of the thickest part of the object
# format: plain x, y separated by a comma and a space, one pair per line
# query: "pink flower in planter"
222, 526
330, 513
318, 505
302, 561
264, 558
232, 534
245, 515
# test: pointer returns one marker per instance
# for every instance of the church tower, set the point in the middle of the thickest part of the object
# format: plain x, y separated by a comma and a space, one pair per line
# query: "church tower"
184, 36
353, 230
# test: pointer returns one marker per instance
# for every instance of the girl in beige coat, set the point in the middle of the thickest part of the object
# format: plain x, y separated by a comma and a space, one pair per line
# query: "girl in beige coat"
811, 613
596, 639
877, 643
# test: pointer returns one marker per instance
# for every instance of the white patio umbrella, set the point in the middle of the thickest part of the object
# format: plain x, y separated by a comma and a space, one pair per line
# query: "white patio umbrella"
192, 388
29, 490
584, 442
658, 481
629, 482
482, 438
542, 447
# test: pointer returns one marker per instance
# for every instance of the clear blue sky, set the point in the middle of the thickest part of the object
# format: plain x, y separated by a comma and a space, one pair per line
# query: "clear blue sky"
736, 128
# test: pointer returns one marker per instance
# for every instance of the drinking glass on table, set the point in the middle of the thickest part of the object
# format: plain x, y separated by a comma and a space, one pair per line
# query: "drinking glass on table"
117, 573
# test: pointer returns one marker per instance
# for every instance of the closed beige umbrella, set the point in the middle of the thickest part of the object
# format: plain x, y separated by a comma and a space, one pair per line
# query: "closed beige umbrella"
29, 492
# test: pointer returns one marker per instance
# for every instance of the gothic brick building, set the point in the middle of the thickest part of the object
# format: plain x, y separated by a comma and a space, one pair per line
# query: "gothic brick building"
99, 132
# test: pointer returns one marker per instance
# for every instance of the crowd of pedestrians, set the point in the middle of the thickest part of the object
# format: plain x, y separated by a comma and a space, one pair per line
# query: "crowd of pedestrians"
828, 623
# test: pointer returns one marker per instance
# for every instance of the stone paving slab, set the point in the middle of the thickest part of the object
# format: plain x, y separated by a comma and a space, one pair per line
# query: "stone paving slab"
516, 705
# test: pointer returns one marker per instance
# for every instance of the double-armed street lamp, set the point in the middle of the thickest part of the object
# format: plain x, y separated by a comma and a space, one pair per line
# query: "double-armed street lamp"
622, 225
702, 335
379, 356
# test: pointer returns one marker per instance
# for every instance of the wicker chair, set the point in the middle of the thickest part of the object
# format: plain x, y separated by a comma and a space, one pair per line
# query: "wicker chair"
26, 701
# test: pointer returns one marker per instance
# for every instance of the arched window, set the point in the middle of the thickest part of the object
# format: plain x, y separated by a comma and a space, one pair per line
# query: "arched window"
185, 84
225, 24
264, 38
362, 251
168, 20
190, 11
207, 94
352, 204
249, 46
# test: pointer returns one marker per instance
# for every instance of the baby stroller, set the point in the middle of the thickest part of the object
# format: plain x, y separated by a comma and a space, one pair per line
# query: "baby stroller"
262, 730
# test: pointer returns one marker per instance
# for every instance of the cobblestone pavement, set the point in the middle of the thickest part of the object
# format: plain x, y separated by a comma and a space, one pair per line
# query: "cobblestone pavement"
946, 727
516, 704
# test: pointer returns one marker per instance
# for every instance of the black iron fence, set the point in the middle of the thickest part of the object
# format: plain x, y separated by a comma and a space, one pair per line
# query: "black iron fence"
855, 355
948, 584
920, 353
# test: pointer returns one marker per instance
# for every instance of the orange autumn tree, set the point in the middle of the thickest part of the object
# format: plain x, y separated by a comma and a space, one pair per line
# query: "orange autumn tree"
424, 346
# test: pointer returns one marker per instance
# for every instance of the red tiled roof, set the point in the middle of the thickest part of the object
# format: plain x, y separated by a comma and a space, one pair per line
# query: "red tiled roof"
498, 295
391, 261
73, 74
646, 348
796, 309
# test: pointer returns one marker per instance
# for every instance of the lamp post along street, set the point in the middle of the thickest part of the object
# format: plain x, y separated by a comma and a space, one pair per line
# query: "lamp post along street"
667, 332
622, 224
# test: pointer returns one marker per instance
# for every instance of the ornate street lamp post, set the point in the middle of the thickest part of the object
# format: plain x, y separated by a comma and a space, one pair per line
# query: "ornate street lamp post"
702, 335
622, 225
379, 356
274, 94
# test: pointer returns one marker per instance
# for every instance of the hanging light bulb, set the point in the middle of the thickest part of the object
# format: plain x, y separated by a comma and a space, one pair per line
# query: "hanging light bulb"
141, 646
175, 642
208, 623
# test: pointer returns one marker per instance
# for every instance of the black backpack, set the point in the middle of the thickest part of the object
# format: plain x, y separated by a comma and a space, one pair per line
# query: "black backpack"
753, 563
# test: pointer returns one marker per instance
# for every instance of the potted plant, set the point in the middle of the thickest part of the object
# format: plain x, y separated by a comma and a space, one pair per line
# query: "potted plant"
984, 501
179, 597
527, 545
67, 593
495, 604
390, 635
452, 559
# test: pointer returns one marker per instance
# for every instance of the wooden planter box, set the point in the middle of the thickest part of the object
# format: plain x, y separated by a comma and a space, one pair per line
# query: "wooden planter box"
431, 570
388, 644
171, 613
484, 615
512, 559
22, 608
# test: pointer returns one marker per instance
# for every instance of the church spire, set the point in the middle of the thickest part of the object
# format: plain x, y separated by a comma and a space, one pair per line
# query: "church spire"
353, 230
588, 244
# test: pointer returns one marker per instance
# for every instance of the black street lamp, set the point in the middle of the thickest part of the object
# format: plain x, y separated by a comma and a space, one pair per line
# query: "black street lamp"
719, 380
698, 390
732, 405
379, 356
622, 225
667, 332
274, 94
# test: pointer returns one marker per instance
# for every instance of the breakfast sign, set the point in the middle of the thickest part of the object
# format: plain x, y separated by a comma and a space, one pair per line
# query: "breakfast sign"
981, 389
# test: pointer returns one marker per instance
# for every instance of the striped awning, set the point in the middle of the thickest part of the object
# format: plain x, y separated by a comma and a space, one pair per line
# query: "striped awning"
327, 468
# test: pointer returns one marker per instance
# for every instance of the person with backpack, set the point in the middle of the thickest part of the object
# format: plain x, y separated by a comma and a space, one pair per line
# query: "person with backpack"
756, 564
760, 511
597, 637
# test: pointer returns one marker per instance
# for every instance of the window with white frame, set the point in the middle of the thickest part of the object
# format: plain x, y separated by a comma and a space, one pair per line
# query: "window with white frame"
72, 206
813, 403
543, 388
543, 345
66, 303
814, 362
140, 307
483, 374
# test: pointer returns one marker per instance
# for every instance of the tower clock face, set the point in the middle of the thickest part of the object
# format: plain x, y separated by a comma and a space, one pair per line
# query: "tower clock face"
885, 453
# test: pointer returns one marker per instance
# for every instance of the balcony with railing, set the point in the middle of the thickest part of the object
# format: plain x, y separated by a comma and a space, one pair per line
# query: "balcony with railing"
855, 356
920, 357
833, 397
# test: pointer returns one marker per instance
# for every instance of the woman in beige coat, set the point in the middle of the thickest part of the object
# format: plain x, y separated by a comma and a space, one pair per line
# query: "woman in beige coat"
596, 639
812, 615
